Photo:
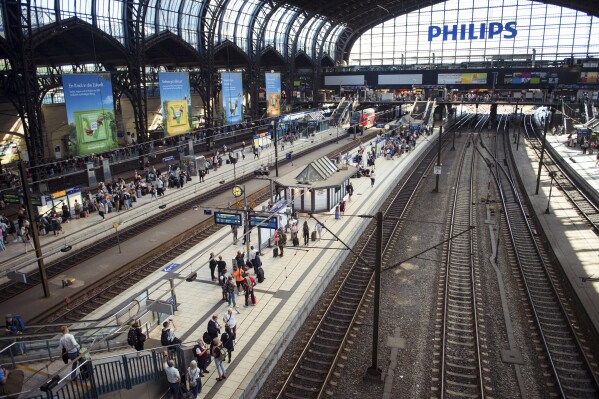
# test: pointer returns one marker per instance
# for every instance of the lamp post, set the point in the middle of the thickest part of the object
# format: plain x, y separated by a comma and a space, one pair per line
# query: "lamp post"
276, 141
436, 190
552, 175
33, 229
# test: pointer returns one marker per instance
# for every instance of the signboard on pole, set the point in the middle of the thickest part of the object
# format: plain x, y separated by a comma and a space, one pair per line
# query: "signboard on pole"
90, 112
175, 98
170, 267
273, 93
232, 94
232, 219
264, 222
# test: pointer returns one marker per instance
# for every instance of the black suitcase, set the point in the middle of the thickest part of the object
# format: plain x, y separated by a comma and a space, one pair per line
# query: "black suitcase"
275, 252
296, 242
260, 275
314, 235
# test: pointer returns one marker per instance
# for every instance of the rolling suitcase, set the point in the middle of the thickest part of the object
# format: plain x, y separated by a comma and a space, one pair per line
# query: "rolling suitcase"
295, 241
260, 274
314, 235
275, 252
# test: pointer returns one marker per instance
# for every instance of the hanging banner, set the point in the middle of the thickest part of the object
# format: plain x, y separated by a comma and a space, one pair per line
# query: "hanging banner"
176, 102
273, 94
90, 112
232, 93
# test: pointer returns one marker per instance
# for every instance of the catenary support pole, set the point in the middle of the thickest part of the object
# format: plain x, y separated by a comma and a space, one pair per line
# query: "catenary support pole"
276, 141
374, 372
33, 229
438, 159
547, 119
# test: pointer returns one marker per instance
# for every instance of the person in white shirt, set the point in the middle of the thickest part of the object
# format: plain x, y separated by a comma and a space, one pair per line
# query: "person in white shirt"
230, 321
70, 345
172, 375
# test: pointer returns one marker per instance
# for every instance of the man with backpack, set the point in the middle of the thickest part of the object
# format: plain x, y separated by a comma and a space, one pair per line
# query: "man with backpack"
282, 241
248, 285
136, 337
167, 338
14, 327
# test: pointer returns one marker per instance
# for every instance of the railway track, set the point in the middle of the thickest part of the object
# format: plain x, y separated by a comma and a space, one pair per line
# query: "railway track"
108, 287
314, 370
569, 356
10, 289
585, 206
461, 372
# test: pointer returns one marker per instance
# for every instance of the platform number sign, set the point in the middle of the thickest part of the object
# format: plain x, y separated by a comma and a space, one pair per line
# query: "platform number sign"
437, 170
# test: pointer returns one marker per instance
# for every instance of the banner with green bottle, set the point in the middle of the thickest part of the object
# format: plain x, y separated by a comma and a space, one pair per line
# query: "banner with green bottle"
90, 112
176, 102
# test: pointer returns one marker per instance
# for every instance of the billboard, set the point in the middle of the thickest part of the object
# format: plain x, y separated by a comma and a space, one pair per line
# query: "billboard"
273, 94
589, 77
175, 98
476, 78
232, 93
90, 112
533, 78
343, 80
405, 79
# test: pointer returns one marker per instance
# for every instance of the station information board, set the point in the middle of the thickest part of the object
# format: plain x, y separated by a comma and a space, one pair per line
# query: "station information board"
232, 219
264, 222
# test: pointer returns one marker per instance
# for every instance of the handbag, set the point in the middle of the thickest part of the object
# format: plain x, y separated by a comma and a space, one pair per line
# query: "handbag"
65, 356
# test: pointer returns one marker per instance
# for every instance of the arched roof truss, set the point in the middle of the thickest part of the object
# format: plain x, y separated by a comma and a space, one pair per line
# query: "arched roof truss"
234, 24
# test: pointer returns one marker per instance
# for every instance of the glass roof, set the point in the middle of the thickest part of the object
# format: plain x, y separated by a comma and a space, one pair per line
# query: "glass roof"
240, 21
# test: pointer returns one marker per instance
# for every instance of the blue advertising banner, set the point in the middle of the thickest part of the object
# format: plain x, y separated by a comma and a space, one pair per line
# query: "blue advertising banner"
273, 94
232, 93
90, 112
176, 102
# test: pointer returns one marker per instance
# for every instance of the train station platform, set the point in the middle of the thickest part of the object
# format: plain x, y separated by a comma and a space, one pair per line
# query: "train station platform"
572, 239
85, 231
292, 286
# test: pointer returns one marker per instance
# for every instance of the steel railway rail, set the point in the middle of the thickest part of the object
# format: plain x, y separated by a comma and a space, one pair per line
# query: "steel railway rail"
313, 371
461, 356
586, 207
10, 289
568, 357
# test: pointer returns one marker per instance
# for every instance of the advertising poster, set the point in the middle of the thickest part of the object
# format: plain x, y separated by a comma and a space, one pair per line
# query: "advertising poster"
232, 93
273, 94
90, 112
477, 78
589, 77
176, 102
533, 78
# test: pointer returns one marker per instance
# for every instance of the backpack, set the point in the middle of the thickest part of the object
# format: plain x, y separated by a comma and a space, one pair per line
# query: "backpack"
223, 354
207, 338
164, 338
132, 337
283, 239
20, 323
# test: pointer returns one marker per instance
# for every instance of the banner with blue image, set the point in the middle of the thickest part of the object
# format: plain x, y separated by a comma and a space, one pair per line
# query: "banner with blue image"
232, 94
175, 98
90, 112
273, 94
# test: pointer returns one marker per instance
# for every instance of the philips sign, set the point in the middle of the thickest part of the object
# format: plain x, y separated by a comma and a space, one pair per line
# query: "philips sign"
473, 31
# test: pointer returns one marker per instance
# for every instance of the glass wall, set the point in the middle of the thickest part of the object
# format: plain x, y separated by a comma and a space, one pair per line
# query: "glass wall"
483, 30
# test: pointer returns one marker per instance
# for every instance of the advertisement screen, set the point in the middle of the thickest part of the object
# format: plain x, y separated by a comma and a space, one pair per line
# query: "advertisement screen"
533, 78
90, 112
477, 78
273, 94
589, 77
232, 93
176, 102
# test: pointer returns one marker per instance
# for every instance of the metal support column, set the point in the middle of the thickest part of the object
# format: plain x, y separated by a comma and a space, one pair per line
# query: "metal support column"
374, 372
547, 119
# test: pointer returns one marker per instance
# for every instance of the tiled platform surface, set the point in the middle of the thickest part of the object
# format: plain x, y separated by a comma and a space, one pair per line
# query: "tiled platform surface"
573, 241
293, 285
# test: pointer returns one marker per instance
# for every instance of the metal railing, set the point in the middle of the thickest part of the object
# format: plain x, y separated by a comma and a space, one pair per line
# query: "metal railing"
103, 375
